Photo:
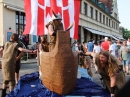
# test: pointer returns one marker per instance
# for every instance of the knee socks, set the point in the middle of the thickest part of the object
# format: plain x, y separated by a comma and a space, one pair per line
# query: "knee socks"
3, 94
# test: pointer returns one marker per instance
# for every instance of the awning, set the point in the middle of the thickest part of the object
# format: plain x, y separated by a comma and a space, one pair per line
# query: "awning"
96, 31
100, 33
12, 7
120, 37
114, 37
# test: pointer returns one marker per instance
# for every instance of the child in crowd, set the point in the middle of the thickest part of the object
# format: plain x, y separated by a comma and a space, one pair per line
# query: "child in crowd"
85, 62
87, 65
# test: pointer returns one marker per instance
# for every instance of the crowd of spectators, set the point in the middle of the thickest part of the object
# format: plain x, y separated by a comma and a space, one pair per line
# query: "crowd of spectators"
111, 60
118, 48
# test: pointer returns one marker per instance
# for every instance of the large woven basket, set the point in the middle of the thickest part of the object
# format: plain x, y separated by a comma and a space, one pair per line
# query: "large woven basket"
59, 67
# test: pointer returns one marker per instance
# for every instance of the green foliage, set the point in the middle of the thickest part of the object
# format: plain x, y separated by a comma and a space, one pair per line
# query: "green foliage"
126, 33
24, 57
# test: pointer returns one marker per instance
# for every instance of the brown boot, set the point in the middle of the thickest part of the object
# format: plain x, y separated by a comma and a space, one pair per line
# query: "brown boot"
3, 94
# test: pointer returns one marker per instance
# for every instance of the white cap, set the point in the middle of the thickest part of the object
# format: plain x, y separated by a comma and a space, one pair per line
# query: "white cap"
56, 18
106, 38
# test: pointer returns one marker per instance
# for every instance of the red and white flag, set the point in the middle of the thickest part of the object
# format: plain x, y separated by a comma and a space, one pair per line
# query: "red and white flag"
39, 13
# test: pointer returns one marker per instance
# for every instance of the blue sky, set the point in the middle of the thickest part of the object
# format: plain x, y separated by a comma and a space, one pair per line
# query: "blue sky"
124, 13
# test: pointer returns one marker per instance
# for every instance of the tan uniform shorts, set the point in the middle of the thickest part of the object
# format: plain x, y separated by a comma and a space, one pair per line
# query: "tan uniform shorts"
10, 82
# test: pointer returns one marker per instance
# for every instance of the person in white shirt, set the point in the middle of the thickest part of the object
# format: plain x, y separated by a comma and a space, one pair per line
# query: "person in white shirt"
128, 42
111, 47
96, 50
76, 47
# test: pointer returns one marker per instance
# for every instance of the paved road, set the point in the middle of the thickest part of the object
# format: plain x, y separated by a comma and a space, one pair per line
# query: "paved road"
33, 67
25, 69
28, 68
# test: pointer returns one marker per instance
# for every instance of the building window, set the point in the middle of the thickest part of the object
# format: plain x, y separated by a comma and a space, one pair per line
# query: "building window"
96, 15
81, 6
103, 19
116, 26
96, 1
112, 24
100, 17
91, 12
107, 21
115, 3
20, 22
20, 26
115, 15
85, 8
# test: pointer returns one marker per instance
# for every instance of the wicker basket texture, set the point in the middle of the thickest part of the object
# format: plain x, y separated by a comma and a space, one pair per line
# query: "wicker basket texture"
59, 67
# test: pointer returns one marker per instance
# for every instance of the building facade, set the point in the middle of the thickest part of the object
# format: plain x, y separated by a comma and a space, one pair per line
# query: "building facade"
13, 20
98, 18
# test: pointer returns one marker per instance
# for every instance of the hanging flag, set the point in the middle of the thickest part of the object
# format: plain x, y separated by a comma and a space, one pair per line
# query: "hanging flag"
39, 13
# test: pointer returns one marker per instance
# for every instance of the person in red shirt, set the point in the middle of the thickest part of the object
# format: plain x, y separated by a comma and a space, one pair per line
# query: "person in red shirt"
105, 44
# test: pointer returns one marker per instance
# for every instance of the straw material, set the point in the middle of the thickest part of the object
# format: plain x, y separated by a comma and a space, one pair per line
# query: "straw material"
59, 67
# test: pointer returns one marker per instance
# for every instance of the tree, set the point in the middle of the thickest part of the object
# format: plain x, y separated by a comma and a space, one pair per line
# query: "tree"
126, 33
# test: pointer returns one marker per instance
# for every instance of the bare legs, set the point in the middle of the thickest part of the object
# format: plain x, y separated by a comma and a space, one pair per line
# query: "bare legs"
127, 69
4, 86
16, 77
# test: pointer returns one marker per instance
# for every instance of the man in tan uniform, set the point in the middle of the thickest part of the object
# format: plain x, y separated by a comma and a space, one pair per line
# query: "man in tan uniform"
113, 76
52, 27
10, 51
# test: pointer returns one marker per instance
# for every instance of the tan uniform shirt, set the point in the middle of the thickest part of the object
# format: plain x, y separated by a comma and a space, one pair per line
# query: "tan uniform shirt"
51, 29
9, 60
109, 70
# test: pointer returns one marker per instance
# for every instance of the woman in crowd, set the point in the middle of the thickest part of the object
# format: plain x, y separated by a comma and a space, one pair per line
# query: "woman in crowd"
44, 44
